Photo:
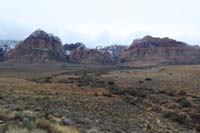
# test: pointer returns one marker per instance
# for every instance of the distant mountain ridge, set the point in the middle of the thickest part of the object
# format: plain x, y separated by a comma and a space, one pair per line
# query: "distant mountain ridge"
42, 47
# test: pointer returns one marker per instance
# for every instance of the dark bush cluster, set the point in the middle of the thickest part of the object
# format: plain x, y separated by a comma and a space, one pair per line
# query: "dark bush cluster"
184, 103
175, 117
118, 91
111, 83
148, 79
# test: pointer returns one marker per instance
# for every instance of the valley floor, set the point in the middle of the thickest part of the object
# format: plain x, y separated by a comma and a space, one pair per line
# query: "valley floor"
66, 98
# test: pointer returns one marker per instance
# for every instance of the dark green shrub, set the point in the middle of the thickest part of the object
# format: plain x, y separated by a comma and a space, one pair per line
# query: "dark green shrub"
198, 128
44, 102
148, 79
184, 103
195, 117
118, 91
175, 117
141, 82
111, 83
182, 93
137, 92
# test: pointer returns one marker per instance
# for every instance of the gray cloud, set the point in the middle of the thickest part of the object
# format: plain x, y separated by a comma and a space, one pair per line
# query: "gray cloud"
101, 22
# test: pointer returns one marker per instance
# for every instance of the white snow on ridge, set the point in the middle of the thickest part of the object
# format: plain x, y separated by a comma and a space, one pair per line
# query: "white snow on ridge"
7, 45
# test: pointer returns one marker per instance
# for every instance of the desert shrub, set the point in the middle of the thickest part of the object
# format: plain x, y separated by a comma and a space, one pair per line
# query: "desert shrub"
162, 92
175, 117
171, 93
97, 84
84, 81
111, 83
84, 73
148, 79
100, 72
140, 82
184, 103
44, 102
198, 128
125, 121
156, 108
20, 106
19, 115
137, 92
182, 93
38, 131
45, 124
131, 100
107, 94
118, 91
28, 123
64, 129
10, 128
47, 79
3, 115
195, 117
17, 130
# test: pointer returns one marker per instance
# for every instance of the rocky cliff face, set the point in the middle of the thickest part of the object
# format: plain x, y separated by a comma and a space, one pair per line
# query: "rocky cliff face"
37, 48
90, 56
154, 51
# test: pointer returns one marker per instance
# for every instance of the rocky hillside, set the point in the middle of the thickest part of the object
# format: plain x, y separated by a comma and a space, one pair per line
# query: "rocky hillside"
79, 53
153, 51
39, 47
90, 56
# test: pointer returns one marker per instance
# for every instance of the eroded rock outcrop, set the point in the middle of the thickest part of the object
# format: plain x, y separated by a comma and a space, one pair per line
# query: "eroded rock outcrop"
153, 51
91, 56
39, 47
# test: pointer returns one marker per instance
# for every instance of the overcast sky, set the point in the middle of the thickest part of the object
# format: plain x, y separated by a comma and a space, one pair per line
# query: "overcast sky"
101, 22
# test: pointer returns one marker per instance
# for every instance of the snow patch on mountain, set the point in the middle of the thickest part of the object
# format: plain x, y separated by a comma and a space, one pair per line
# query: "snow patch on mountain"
7, 45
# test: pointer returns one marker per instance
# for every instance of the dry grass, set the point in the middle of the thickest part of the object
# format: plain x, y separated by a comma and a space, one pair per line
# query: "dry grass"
98, 104
64, 129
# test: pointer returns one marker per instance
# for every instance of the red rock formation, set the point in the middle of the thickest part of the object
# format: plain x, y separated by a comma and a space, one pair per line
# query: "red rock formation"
37, 48
90, 56
154, 51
